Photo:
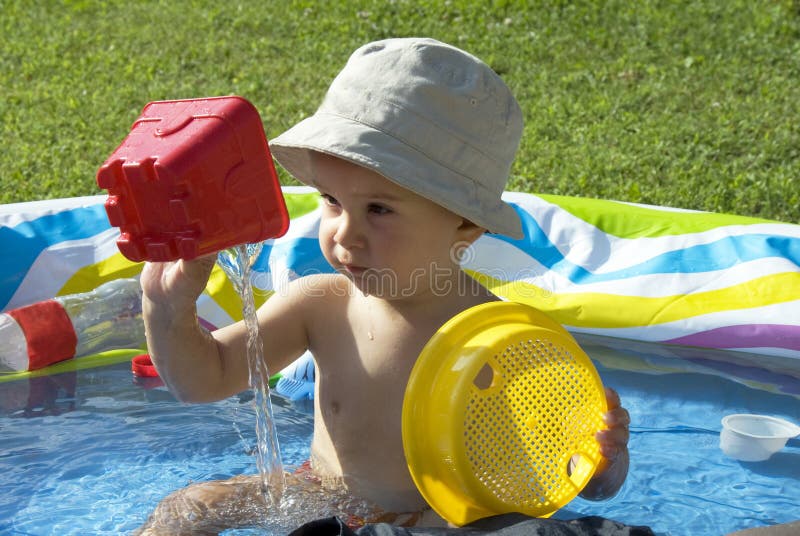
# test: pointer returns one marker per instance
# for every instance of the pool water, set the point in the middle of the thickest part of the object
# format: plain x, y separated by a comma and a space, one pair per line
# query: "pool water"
92, 451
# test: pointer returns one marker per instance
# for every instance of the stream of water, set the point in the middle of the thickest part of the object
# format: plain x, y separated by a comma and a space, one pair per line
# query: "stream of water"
237, 262
287, 506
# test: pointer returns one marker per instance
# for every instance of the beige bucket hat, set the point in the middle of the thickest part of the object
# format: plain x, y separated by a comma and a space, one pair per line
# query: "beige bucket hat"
425, 115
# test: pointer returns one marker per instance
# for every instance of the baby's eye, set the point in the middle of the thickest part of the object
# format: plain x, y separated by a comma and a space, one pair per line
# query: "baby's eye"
329, 200
375, 208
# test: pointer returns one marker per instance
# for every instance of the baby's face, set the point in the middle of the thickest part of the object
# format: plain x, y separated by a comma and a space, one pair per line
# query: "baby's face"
391, 242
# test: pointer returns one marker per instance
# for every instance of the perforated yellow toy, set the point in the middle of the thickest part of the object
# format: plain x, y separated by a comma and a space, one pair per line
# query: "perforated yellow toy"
500, 415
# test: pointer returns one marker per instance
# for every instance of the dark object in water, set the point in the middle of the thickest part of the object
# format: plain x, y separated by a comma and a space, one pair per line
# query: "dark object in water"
502, 525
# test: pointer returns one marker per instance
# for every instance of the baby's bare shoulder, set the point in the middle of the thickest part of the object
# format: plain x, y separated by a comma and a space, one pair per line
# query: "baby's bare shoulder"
304, 309
318, 290
325, 282
321, 302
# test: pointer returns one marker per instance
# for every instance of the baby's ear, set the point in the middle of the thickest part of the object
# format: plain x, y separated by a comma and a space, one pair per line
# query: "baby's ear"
469, 232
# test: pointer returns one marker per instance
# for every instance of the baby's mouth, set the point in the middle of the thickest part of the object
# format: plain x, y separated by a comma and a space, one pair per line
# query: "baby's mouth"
354, 270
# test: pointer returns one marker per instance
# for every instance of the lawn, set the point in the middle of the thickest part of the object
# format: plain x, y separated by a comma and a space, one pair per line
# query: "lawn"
685, 104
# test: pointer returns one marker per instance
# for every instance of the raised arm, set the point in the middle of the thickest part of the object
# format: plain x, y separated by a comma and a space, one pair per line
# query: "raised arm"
198, 366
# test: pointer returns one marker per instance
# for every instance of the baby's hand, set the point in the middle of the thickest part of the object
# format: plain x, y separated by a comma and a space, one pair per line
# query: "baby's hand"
614, 440
613, 468
178, 284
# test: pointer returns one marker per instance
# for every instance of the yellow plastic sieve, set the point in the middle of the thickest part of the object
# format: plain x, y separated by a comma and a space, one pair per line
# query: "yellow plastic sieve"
500, 414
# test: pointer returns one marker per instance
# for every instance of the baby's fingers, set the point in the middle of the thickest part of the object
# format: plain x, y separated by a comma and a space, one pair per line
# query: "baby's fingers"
615, 438
615, 415
176, 283
612, 441
612, 399
617, 418
199, 268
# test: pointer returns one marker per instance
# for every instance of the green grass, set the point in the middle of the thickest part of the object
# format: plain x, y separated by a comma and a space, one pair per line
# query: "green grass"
686, 104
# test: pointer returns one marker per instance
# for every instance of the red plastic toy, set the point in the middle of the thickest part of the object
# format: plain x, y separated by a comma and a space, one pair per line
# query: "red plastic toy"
193, 177
142, 365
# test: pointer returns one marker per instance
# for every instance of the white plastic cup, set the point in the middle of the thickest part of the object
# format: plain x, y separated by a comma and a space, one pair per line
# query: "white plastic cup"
754, 438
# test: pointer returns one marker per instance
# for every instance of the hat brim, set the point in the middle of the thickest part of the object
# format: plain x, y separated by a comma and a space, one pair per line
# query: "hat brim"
400, 162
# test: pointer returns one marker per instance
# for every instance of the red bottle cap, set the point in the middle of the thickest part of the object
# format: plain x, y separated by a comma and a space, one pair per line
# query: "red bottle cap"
193, 177
142, 365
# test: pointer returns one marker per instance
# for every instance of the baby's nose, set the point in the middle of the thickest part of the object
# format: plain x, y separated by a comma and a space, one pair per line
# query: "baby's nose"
349, 232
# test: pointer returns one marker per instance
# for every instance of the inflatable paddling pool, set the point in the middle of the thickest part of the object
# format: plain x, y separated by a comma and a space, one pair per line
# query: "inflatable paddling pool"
632, 272
690, 316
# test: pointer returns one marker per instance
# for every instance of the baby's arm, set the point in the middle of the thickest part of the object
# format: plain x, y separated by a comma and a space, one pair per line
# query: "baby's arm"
199, 366
613, 441
185, 355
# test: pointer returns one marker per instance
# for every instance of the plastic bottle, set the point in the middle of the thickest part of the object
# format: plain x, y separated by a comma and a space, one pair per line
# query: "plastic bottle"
38, 335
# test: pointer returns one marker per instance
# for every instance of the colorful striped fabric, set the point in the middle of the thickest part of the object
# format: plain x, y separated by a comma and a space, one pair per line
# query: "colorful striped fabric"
651, 273
599, 267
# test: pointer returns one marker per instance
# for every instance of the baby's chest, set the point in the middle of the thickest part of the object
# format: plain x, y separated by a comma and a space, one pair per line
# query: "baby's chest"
367, 385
